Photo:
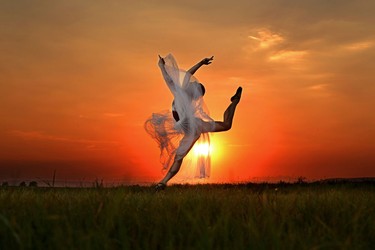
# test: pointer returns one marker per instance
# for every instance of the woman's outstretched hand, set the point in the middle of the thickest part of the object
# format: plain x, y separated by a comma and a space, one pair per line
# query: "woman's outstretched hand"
207, 60
161, 61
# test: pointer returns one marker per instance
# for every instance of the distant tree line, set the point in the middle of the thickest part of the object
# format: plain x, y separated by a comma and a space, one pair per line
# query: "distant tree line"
22, 184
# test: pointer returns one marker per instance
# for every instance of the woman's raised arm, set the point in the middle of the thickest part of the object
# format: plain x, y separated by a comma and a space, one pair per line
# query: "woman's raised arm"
166, 77
205, 61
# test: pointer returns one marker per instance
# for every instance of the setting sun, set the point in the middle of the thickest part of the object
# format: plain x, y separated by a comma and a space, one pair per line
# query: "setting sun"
202, 149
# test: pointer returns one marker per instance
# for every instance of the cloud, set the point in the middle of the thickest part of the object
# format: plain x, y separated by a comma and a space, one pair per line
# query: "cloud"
113, 115
288, 56
267, 39
38, 135
240, 145
319, 87
358, 46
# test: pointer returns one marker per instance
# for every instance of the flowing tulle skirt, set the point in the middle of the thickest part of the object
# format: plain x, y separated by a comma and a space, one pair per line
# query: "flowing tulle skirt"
171, 138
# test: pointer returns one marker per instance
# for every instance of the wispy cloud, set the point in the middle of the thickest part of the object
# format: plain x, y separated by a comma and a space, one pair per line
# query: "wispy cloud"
267, 38
359, 45
288, 56
39, 135
113, 115
240, 145
319, 87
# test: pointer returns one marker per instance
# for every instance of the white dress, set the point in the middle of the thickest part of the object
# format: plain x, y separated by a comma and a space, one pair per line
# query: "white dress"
176, 137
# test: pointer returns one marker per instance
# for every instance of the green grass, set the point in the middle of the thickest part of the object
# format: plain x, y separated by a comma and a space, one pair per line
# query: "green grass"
189, 217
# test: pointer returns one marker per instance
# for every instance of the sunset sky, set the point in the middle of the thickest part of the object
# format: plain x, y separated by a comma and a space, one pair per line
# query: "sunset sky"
79, 78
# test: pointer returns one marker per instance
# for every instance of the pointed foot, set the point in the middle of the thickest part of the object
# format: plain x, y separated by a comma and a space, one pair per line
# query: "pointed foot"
237, 96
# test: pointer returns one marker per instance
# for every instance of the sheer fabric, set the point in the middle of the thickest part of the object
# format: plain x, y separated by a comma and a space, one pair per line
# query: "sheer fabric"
176, 138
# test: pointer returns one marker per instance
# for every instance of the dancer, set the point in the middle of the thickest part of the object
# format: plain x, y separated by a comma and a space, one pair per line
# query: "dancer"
177, 131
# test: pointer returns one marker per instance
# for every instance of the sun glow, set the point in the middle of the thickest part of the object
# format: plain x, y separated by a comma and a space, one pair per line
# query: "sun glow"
202, 149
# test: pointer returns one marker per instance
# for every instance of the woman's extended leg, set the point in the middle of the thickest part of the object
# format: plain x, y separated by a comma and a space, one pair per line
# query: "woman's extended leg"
226, 124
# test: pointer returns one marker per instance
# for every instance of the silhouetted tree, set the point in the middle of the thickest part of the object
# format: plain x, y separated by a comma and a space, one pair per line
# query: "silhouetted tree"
33, 184
98, 184
301, 180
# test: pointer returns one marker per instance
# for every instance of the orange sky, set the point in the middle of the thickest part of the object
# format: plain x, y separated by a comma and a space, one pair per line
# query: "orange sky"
79, 78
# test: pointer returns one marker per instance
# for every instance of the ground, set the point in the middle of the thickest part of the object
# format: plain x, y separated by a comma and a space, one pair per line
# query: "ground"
329, 215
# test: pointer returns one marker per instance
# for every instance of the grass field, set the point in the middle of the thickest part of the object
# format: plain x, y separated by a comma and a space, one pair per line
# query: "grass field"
248, 216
